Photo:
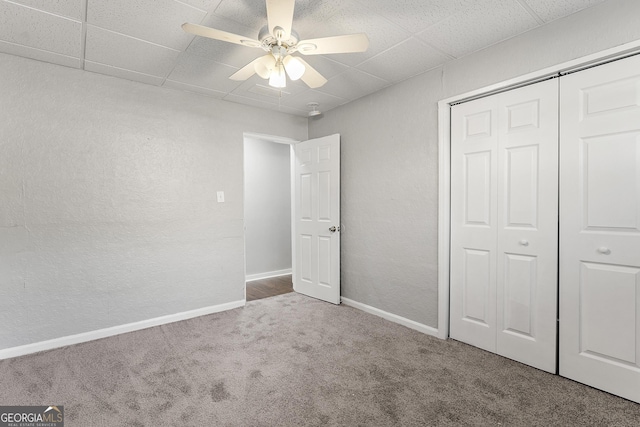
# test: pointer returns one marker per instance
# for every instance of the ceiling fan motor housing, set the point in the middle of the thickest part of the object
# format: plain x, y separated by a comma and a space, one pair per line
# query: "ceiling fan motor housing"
268, 40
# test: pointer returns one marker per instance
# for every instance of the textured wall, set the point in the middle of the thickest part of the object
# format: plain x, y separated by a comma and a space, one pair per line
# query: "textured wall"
389, 183
108, 211
389, 156
267, 198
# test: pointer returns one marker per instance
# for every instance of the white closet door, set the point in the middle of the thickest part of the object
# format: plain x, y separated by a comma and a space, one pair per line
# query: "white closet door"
504, 193
527, 279
474, 237
600, 227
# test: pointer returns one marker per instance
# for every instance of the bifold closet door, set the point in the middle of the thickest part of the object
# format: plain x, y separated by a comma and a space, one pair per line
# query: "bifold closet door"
474, 230
504, 212
600, 227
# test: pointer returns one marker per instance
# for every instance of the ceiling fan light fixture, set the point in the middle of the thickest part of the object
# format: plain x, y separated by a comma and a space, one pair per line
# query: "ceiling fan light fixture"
279, 40
295, 68
278, 77
265, 66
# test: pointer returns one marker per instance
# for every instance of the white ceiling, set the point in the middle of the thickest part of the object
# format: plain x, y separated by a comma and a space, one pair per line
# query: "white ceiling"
142, 40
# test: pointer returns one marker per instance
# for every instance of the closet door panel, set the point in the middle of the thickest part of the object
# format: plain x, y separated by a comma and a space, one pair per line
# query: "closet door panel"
528, 224
473, 223
600, 227
504, 191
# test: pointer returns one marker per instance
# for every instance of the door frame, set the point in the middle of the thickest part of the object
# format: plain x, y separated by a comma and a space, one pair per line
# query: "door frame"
280, 140
444, 153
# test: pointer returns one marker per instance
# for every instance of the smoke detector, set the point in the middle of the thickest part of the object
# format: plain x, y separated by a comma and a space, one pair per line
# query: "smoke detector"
313, 106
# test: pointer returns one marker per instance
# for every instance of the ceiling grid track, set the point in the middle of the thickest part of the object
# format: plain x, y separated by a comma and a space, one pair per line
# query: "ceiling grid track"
535, 16
83, 40
184, 51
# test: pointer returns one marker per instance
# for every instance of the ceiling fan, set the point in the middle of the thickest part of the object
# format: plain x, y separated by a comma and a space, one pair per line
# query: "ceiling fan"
281, 41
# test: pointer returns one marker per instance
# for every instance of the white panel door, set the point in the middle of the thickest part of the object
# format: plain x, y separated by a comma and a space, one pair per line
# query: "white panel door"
527, 254
600, 227
316, 212
474, 187
504, 213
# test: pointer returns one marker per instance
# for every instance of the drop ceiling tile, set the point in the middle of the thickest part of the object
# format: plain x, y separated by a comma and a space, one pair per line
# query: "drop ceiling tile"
381, 32
195, 89
326, 102
325, 66
549, 10
409, 58
123, 74
483, 24
416, 15
207, 5
311, 14
39, 55
68, 8
40, 30
197, 71
223, 52
109, 48
353, 84
250, 13
157, 21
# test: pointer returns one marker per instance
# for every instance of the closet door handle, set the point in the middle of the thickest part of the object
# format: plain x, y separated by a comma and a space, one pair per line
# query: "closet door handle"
524, 242
603, 250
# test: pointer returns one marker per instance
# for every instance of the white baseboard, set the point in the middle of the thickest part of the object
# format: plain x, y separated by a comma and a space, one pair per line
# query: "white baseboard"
266, 275
115, 330
392, 317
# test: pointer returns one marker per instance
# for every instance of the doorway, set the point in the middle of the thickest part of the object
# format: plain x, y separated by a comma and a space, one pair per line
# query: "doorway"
313, 215
267, 216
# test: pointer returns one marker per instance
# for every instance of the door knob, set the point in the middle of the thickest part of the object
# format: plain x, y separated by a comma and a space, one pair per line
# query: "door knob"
333, 229
604, 251
524, 242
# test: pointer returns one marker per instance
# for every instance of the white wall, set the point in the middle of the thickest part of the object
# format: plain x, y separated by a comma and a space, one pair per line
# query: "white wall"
108, 211
389, 181
267, 208
390, 164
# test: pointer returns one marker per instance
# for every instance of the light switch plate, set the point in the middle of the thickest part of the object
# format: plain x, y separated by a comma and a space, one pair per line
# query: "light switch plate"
220, 196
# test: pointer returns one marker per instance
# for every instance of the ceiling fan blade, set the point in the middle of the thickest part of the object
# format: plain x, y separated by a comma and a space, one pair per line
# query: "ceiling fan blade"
248, 70
212, 33
280, 14
337, 44
311, 76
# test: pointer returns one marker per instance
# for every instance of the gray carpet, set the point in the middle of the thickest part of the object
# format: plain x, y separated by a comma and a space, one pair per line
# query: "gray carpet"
294, 361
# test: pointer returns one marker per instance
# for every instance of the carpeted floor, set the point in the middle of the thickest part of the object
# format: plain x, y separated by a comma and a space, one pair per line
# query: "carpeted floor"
295, 361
